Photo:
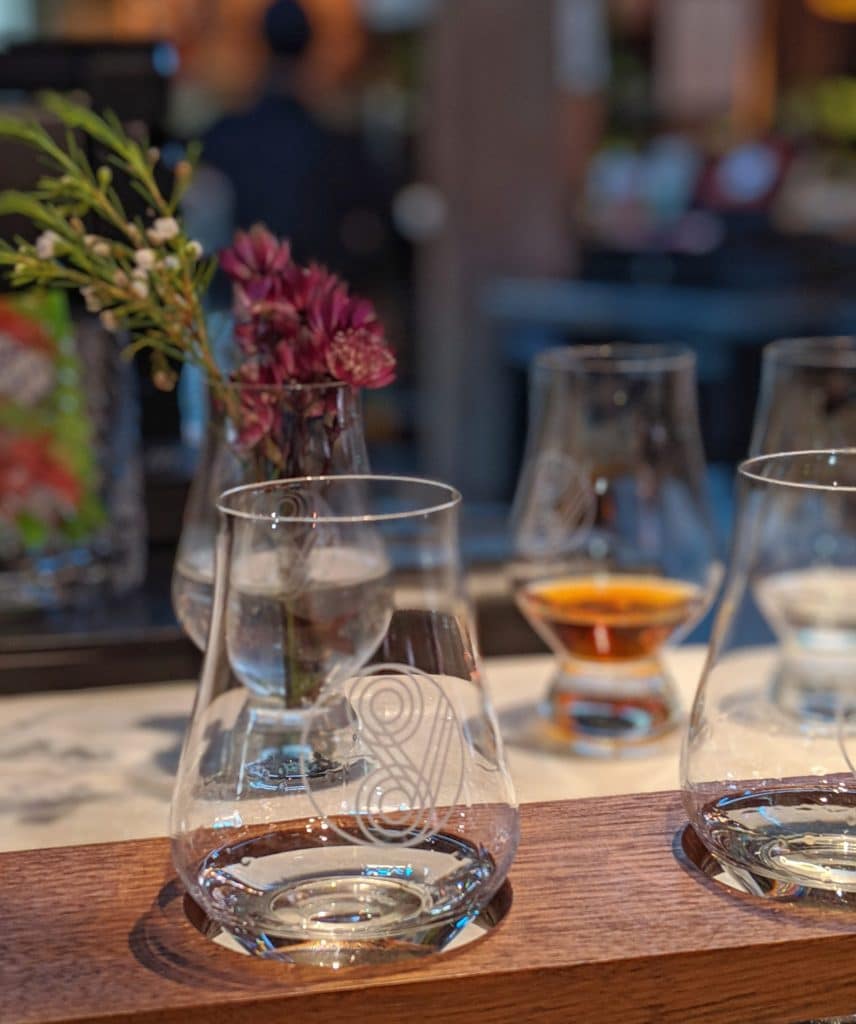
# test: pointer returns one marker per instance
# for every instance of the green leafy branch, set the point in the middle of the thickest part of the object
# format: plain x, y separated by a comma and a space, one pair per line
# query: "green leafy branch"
143, 277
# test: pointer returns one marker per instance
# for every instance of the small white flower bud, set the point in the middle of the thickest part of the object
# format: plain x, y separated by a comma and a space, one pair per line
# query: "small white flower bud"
46, 245
145, 258
108, 319
194, 249
171, 262
90, 297
100, 246
140, 289
166, 228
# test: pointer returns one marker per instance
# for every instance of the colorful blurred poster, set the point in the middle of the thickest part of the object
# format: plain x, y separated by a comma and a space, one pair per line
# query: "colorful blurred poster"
48, 471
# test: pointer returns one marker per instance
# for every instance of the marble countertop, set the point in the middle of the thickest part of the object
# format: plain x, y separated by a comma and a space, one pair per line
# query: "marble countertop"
97, 765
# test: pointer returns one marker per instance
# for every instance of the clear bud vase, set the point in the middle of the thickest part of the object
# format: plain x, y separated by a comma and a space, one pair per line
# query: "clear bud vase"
342, 796
273, 433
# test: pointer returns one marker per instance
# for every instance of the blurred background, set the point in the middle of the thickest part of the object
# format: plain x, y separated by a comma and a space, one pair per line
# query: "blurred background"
498, 176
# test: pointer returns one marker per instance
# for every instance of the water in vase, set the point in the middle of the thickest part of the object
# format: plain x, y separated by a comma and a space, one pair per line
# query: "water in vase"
193, 591
292, 624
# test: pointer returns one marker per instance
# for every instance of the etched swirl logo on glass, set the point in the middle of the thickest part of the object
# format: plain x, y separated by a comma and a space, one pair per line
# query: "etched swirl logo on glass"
402, 759
564, 509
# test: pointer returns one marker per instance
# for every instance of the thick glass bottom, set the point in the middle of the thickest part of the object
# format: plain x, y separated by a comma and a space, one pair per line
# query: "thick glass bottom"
787, 840
334, 903
274, 756
610, 709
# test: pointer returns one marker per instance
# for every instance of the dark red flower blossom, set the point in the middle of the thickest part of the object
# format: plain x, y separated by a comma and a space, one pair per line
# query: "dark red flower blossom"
297, 325
255, 255
258, 391
346, 328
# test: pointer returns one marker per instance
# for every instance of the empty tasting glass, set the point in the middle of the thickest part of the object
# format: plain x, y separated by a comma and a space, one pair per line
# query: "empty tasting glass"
771, 796
342, 795
614, 553
807, 397
807, 400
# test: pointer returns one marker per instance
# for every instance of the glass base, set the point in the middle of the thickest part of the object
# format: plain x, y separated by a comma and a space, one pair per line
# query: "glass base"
611, 709
335, 953
334, 905
275, 758
794, 845
806, 692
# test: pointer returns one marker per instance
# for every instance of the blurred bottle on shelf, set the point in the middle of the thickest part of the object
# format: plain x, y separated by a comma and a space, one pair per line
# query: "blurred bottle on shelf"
72, 523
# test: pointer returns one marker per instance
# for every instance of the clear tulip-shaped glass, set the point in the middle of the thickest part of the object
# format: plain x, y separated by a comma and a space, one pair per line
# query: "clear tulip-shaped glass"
807, 400
614, 553
807, 397
771, 795
342, 795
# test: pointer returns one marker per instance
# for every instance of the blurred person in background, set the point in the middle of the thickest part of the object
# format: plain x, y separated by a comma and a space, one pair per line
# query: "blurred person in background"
289, 170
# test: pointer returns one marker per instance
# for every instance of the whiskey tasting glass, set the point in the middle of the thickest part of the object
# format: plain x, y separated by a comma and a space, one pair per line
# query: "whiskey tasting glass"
807, 397
342, 795
772, 797
614, 553
807, 400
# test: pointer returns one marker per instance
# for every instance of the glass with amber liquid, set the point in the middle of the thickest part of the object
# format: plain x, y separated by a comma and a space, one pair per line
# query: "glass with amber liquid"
614, 552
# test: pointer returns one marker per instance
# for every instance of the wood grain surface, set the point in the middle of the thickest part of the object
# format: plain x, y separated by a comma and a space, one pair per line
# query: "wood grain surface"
606, 925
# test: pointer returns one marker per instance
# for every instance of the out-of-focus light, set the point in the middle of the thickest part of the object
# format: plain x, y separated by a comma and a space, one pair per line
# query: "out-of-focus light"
17, 20
749, 171
419, 212
165, 59
836, 10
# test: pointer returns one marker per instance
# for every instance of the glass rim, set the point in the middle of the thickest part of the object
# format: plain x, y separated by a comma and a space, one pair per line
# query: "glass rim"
453, 499
644, 357
821, 351
746, 469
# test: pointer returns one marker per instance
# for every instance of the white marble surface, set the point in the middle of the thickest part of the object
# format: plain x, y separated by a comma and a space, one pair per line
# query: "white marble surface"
96, 765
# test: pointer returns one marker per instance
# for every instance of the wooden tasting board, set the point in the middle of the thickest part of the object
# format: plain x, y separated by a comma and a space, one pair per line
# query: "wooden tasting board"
606, 925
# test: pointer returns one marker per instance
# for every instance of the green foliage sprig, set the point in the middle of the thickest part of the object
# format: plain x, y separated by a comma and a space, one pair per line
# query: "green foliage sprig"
142, 276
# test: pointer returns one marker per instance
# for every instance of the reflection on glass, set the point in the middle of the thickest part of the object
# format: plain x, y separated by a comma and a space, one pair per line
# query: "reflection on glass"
342, 795
770, 793
614, 551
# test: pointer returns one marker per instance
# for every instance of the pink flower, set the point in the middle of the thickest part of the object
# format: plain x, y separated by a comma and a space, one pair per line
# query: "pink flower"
297, 325
361, 360
346, 329
255, 255
258, 395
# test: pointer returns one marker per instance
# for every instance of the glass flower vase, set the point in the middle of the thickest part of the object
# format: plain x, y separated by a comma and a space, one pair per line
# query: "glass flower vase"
274, 433
342, 795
